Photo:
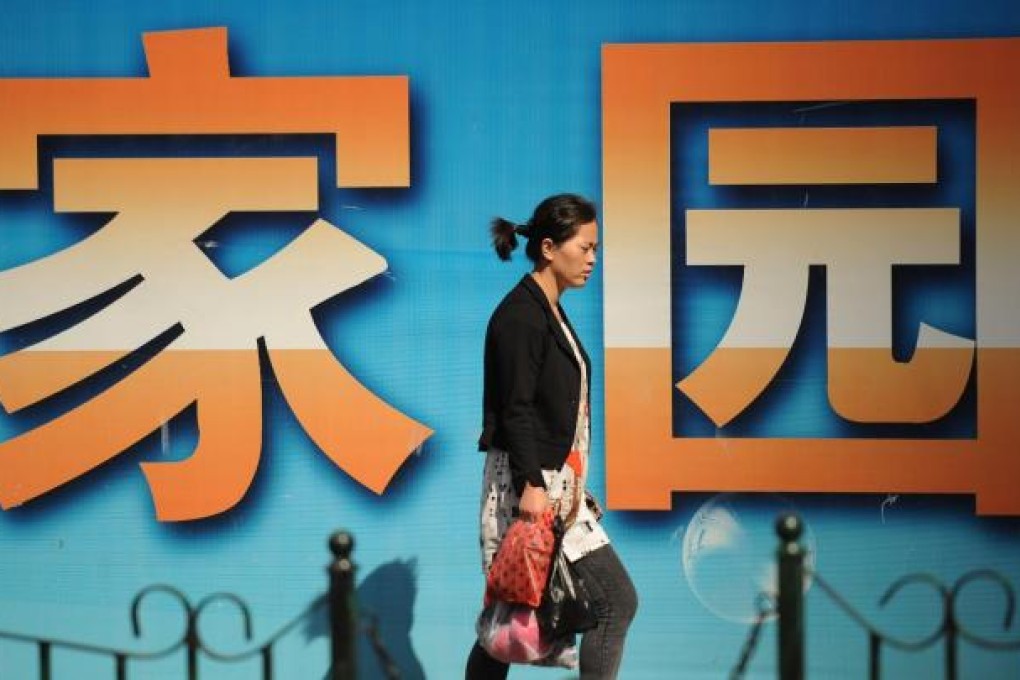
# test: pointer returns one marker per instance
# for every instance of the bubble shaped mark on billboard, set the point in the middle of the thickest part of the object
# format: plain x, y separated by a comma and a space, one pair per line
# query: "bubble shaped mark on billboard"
729, 553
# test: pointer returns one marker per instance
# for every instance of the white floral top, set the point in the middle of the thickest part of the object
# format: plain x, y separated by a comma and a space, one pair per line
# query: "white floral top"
566, 487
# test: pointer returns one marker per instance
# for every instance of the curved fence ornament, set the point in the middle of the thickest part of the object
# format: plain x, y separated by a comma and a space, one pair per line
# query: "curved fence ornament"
136, 628
790, 609
242, 606
1010, 594
345, 625
878, 639
46, 646
264, 650
211, 652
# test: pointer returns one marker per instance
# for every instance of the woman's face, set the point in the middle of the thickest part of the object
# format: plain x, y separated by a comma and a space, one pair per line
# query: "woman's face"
573, 260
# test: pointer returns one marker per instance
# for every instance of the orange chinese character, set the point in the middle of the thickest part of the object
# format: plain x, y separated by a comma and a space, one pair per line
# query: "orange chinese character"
161, 206
645, 460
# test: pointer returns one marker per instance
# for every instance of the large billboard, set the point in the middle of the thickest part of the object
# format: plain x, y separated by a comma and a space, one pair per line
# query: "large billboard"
245, 276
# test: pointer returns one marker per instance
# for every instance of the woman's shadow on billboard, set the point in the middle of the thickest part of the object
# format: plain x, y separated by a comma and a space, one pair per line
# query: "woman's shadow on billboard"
386, 602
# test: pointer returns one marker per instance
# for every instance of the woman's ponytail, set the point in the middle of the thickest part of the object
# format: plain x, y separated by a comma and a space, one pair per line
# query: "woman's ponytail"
504, 237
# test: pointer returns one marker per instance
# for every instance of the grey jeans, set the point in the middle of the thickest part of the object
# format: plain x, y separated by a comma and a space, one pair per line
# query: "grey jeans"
615, 603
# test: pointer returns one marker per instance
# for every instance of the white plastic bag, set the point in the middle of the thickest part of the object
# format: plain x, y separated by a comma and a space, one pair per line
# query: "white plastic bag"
510, 633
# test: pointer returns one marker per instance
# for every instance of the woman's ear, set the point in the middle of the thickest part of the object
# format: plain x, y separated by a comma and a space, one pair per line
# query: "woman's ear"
547, 249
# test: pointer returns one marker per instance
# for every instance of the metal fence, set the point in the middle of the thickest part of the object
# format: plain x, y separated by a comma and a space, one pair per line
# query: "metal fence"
788, 607
339, 604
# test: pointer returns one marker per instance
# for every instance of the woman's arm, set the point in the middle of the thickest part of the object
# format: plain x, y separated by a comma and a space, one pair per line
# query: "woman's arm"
518, 352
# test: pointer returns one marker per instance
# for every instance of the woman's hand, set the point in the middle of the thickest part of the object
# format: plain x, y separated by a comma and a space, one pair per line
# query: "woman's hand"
534, 503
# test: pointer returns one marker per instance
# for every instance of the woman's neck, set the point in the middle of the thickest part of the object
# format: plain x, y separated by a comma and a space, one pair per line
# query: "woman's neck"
546, 280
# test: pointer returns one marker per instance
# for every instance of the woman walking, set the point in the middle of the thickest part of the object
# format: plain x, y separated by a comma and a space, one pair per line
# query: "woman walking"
536, 423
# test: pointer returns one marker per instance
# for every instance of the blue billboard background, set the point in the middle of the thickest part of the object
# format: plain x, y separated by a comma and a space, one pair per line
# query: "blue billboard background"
505, 109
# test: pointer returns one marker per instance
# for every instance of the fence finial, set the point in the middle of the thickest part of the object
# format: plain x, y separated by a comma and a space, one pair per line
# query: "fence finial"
791, 597
343, 611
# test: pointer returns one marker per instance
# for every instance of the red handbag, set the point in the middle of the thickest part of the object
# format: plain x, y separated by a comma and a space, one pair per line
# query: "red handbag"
520, 569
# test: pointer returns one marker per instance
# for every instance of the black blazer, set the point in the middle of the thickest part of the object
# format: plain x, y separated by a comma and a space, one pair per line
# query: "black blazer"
532, 384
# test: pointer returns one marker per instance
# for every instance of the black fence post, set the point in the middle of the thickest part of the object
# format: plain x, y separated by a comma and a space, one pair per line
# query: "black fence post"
343, 614
952, 633
874, 656
45, 669
791, 598
192, 645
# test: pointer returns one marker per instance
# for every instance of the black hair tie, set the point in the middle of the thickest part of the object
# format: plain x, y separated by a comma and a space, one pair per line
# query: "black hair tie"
522, 230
